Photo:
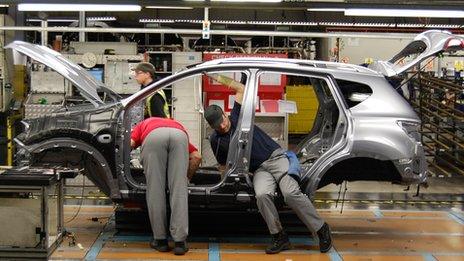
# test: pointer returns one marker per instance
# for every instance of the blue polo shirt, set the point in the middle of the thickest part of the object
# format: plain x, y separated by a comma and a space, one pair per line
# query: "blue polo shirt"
261, 148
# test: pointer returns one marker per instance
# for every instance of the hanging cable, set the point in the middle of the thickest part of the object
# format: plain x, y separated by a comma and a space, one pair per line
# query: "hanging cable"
338, 197
344, 194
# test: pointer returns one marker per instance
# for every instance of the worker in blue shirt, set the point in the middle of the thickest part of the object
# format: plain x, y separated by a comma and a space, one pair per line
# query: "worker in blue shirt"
269, 165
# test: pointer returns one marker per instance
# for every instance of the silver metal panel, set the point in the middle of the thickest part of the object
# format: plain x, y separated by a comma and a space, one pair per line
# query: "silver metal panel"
71, 71
118, 77
34, 109
46, 81
435, 41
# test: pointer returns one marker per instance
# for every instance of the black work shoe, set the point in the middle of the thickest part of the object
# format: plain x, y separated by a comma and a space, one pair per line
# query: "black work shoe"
160, 245
180, 248
279, 243
325, 238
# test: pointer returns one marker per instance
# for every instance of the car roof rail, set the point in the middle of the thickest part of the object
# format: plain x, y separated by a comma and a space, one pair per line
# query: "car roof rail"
311, 63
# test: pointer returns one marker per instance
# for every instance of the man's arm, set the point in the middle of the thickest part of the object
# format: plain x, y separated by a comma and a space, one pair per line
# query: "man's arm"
238, 87
133, 144
194, 163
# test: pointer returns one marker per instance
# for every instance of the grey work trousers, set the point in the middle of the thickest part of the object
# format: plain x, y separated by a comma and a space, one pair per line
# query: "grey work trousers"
165, 153
265, 185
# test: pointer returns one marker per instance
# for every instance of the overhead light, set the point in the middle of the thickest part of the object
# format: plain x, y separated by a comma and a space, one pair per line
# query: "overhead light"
326, 9
158, 21
167, 7
190, 21
52, 20
228, 22
3, 5
249, 1
404, 13
77, 7
374, 25
410, 25
101, 18
335, 24
443, 26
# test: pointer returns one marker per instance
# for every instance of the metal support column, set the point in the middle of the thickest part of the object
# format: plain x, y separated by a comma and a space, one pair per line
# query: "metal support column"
44, 34
82, 24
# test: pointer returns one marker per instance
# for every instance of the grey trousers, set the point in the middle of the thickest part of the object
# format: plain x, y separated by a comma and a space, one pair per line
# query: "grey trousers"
265, 185
164, 154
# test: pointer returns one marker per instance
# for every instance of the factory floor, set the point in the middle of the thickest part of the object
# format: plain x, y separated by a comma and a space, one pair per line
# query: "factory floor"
390, 225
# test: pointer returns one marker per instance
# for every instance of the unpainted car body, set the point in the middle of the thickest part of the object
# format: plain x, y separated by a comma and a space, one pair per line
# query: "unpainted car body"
364, 129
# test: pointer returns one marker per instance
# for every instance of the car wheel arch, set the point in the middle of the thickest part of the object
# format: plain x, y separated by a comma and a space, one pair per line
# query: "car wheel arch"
336, 171
66, 143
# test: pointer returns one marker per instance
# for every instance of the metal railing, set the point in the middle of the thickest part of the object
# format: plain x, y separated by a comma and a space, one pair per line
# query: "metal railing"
440, 106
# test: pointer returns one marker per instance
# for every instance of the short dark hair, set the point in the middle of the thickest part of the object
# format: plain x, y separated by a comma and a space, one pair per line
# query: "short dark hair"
146, 67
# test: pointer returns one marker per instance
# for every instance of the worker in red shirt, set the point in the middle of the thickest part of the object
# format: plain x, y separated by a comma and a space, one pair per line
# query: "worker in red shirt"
165, 151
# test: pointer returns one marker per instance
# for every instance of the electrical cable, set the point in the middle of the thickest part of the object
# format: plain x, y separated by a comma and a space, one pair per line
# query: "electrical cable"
343, 199
81, 203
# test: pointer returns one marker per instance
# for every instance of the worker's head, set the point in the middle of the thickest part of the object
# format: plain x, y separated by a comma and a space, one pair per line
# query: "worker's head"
217, 119
144, 73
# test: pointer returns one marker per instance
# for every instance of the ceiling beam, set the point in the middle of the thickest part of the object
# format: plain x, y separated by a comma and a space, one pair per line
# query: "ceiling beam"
212, 32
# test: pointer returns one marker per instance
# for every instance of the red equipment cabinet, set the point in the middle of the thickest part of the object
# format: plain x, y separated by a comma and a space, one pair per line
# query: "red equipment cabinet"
268, 89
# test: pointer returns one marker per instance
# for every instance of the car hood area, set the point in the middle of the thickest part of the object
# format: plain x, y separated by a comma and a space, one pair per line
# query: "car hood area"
78, 76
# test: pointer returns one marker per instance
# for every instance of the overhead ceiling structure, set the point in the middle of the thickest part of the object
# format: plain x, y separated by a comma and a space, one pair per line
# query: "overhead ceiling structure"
288, 16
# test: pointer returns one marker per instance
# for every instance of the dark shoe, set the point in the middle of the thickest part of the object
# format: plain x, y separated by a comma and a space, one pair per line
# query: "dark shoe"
325, 238
180, 248
279, 243
160, 245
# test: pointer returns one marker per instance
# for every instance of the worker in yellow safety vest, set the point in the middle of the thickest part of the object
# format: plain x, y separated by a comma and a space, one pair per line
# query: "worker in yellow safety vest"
156, 104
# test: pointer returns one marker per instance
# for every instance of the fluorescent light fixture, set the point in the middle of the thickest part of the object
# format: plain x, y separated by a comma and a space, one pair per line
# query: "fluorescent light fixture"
3, 5
409, 25
77, 7
335, 24
101, 18
249, 1
373, 25
53, 20
404, 13
442, 26
158, 21
326, 9
167, 7
189, 21
228, 22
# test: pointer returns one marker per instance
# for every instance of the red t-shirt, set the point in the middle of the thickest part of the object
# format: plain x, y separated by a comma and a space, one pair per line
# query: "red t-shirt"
141, 130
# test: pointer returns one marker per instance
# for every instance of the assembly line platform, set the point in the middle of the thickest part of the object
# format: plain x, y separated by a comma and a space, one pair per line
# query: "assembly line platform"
372, 233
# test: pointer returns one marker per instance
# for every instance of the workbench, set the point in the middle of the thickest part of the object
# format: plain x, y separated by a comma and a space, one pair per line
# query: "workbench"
31, 211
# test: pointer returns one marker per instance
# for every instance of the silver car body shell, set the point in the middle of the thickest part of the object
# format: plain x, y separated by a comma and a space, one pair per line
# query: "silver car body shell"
369, 129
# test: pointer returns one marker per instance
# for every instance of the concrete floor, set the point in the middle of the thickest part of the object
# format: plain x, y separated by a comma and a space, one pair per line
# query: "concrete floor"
369, 234
379, 221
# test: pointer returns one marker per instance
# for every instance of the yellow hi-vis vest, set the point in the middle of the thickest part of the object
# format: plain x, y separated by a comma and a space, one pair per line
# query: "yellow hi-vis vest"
165, 107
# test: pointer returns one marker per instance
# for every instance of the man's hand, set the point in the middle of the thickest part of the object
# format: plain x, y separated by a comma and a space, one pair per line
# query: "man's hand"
194, 164
222, 169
